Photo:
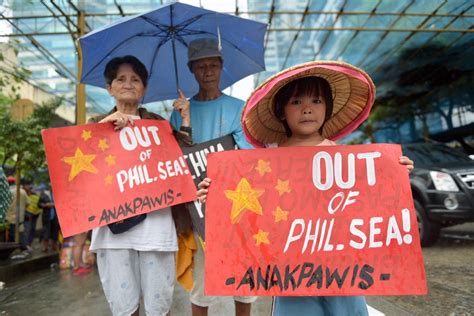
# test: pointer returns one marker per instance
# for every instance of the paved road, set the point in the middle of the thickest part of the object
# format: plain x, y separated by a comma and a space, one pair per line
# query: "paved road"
449, 268
61, 293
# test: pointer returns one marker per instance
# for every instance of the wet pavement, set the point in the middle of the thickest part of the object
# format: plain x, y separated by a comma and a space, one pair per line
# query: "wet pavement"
449, 268
61, 293
25, 262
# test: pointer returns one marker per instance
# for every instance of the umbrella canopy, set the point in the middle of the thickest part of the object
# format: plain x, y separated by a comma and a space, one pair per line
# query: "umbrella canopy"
160, 38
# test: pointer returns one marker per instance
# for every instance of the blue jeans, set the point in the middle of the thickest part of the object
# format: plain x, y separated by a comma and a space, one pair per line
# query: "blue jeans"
30, 226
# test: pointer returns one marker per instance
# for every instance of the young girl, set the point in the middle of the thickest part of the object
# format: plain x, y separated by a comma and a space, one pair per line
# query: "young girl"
312, 104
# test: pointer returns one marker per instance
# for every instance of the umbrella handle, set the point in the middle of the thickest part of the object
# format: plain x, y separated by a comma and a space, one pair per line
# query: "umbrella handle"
175, 64
174, 49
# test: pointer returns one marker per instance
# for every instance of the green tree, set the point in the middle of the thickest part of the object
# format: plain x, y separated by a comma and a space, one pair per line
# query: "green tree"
11, 77
20, 141
433, 78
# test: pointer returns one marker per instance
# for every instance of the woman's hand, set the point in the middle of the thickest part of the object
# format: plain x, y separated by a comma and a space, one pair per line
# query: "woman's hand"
181, 105
203, 189
119, 119
404, 160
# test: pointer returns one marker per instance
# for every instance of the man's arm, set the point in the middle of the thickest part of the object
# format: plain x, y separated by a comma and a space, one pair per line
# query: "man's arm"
175, 120
239, 138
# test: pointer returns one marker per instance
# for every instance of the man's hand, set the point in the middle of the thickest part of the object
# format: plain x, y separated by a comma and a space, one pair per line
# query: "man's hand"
182, 106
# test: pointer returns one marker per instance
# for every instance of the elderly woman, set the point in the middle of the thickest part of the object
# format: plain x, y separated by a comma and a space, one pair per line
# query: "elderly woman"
136, 258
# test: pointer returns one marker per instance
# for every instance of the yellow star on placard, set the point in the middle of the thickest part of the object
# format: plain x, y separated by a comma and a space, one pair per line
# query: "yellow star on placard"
103, 144
263, 167
244, 198
283, 187
110, 160
261, 238
108, 179
86, 135
280, 214
80, 162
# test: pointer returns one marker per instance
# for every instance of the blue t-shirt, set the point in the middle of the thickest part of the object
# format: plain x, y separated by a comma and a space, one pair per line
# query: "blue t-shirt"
214, 119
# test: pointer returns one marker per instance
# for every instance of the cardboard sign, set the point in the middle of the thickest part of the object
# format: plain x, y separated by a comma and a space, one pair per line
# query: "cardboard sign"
196, 157
100, 176
335, 220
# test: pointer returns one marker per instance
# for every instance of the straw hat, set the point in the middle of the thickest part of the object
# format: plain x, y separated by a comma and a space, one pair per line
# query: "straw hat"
353, 95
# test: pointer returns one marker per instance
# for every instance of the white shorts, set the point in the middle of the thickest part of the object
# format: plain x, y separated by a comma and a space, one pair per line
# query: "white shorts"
127, 274
197, 296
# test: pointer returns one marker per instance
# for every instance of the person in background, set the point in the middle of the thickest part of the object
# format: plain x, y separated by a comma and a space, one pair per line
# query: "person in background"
213, 115
80, 267
11, 213
32, 213
54, 231
48, 220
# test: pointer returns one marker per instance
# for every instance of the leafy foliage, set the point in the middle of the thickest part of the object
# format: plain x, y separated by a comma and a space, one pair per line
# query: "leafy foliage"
20, 141
422, 80
10, 79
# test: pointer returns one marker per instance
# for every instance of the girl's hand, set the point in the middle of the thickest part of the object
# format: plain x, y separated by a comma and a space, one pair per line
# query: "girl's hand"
404, 160
119, 119
203, 189
182, 106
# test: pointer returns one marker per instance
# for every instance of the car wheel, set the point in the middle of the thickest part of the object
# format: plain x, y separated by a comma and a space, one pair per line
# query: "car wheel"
429, 231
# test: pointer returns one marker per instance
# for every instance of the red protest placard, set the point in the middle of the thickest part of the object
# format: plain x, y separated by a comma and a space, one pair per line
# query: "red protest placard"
100, 176
335, 220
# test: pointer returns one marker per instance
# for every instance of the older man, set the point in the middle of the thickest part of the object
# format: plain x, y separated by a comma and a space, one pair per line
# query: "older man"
12, 213
213, 115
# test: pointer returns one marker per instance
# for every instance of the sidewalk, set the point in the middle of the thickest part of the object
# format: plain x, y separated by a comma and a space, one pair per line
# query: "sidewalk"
60, 293
21, 263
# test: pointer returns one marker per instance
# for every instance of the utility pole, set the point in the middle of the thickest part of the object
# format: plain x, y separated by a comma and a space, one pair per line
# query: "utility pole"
80, 88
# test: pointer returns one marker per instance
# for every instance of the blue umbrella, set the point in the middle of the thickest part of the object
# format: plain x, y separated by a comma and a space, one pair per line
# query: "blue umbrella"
160, 38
